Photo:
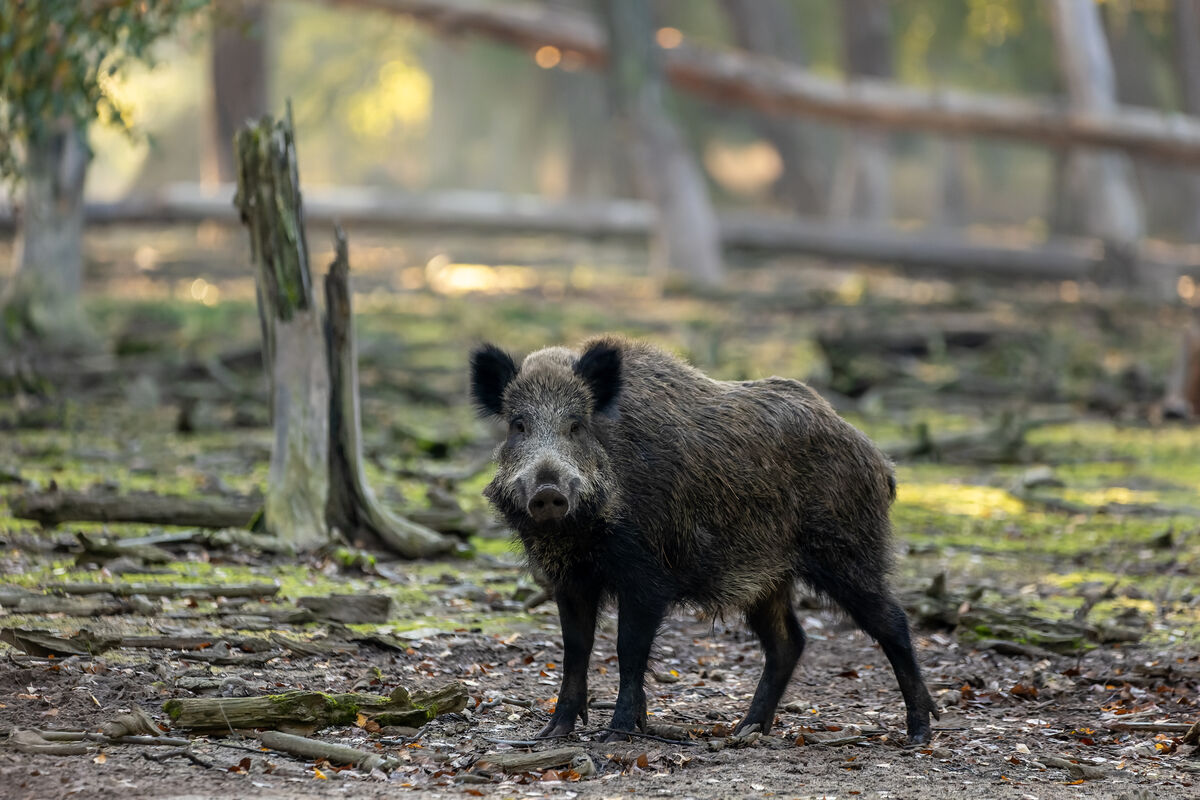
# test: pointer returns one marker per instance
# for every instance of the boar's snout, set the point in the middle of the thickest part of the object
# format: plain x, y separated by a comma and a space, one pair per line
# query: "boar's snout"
548, 504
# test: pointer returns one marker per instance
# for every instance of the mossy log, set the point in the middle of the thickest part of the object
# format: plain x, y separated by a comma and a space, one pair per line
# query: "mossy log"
300, 710
49, 508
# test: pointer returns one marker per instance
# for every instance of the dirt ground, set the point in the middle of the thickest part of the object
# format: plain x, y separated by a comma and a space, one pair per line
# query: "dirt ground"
1003, 717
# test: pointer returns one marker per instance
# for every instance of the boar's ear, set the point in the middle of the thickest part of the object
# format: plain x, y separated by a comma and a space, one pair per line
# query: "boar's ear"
491, 371
600, 366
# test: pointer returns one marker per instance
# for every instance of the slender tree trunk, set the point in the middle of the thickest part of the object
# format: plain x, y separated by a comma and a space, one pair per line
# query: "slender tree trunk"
1186, 29
863, 186
766, 27
951, 210
686, 237
49, 247
1110, 207
237, 81
269, 200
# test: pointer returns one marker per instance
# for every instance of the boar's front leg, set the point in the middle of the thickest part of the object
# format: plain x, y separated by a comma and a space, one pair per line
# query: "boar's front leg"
638, 619
577, 607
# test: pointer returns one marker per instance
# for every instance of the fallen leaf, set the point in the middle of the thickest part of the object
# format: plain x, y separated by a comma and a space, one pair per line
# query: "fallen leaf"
100, 759
319, 775
642, 762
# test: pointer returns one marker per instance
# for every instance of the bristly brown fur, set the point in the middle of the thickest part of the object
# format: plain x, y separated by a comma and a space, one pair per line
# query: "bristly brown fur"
716, 494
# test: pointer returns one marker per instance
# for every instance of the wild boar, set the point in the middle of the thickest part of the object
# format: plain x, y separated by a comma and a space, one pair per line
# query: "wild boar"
629, 475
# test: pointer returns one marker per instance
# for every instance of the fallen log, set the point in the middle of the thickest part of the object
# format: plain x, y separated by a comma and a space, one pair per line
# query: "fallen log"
528, 762
730, 77
309, 711
350, 608
166, 590
936, 253
333, 753
55, 506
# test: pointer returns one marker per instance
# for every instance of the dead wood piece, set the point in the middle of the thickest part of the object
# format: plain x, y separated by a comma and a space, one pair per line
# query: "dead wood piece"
350, 608
1084, 771
1155, 727
1010, 648
166, 590
333, 753
117, 548
47, 643
135, 723
351, 507
49, 508
529, 762
71, 606
304, 710
307, 647
31, 743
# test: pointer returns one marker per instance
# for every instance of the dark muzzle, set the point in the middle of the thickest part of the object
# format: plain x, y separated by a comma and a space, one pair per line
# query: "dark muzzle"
548, 504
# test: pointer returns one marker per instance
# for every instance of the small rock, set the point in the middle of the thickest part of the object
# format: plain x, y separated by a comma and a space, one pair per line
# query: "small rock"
716, 744
584, 765
666, 677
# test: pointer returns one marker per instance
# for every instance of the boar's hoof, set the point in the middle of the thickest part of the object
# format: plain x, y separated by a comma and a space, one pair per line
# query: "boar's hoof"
615, 736
555, 728
548, 504
919, 734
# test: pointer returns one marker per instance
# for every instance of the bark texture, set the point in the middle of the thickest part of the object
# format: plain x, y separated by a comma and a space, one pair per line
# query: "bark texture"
1103, 181
686, 237
1186, 30
863, 186
237, 81
351, 507
268, 198
767, 28
48, 251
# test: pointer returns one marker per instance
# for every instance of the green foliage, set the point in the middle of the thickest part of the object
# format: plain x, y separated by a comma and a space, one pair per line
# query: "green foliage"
58, 59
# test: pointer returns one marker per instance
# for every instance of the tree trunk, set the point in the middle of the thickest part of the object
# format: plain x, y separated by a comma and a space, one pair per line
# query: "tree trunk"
1110, 207
953, 157
49, 246
237, 82
766, 27
686, 237
269, 200
1186, 28
863, 186
352, 508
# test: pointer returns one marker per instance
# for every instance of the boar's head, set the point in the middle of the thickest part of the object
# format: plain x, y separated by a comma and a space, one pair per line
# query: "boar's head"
554, 469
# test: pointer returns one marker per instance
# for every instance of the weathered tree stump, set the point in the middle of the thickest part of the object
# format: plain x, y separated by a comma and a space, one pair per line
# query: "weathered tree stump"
268, 197
316, 486
351, 507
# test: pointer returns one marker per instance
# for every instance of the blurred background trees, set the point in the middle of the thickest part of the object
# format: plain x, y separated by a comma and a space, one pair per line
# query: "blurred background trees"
61, 61
385, 101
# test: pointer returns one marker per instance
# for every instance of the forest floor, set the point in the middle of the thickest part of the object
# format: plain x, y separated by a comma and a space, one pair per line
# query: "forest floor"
1048, 524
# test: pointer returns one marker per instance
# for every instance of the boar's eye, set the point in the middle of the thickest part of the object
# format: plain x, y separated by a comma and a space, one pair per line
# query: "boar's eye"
517, 426
575, 426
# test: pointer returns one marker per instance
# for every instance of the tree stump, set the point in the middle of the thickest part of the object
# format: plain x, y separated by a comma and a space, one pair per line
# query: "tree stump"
316, 486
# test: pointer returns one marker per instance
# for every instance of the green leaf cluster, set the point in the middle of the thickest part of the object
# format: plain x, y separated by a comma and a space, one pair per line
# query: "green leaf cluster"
59, 58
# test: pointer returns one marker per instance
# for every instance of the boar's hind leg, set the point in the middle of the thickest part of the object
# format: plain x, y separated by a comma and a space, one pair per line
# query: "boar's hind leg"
577, 607
638, 619
875, 611
774, 622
